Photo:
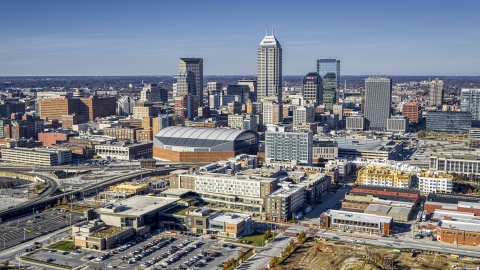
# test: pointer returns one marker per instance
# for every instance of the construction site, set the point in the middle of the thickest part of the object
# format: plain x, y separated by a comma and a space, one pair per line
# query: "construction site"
333, 255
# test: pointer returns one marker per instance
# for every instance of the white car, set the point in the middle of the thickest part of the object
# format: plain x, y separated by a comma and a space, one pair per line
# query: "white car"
110, 266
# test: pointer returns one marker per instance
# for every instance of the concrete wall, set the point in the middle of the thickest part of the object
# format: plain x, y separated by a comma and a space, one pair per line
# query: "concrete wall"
111, 220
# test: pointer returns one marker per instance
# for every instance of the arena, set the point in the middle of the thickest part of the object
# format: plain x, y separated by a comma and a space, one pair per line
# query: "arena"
187, 144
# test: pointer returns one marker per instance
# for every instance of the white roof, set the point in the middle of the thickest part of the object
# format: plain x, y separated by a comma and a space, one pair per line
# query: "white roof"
269, 41
463, 225
230, 218
353, 216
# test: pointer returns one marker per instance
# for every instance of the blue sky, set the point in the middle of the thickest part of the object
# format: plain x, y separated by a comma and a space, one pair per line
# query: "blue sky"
148, 37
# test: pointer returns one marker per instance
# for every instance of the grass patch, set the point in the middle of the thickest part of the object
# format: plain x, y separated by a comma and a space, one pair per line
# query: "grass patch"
63, 245
254, 238
25, 259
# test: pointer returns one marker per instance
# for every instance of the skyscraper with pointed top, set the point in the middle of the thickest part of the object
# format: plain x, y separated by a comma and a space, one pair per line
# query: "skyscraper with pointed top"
269, 64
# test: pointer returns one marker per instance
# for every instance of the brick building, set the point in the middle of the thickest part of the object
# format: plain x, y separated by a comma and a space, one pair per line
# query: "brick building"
412, 112
90, 107
52, 138
122, 134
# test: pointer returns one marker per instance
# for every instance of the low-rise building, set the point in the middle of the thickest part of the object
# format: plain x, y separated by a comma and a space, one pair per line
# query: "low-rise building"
398, 124
36, 156
139, 212
355, 123
353, 221
125, 150
458, 231
231, 225
369, 149
429, 182
452, 202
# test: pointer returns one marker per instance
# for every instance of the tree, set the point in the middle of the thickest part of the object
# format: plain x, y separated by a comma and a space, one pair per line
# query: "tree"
6, 263
301, 237
225, 265
240, 256
273, 261
421, 134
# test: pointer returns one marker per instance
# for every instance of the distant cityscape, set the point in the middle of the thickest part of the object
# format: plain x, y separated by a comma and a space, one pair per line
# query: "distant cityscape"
248, 170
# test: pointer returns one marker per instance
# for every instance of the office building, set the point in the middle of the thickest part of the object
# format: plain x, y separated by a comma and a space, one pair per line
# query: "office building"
412, 112
214, 88
125, 106
272, 113
285, 203
153, 93
121, 133
459, 164
252, 88
430, 182
269, 58
36, 156
194, 65
239, 90
7, 108
329, 71
312, 89
91, 107
183, 144
186, 105
125, 150
354, 221
383, 176
397, 123
303, 114
186, 83
288, 147
378, 100
243, 121
324, 150
231, 225
355, 123
449, 121
470, 102
435, 93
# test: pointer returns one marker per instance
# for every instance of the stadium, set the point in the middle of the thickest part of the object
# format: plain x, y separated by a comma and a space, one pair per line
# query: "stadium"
187, 144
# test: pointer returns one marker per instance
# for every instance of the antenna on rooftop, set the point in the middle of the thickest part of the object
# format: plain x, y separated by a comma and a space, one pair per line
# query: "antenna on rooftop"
266, 31
272, 29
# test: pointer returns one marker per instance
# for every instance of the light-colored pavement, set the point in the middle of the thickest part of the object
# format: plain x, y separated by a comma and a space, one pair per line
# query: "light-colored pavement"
265, 254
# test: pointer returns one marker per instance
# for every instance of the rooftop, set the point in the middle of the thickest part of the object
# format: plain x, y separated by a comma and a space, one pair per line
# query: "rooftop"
325, 144
285, 191
230, 218
464, 225
453, 199
364, 145
353, 216
138, 205
398, 190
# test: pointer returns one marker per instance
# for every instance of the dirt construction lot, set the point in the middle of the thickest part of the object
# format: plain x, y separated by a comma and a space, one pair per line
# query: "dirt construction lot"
334, 255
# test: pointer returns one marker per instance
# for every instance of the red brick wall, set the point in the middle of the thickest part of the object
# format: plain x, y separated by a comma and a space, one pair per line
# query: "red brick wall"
49, 139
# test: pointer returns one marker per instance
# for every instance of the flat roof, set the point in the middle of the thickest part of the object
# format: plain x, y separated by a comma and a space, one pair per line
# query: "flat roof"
285, 191
176, 191
464, 225
35, 150
230, 218
354, 216
400, 190
385, 199
139, 205
364, 145
378, 208
452, 198
230, 177
441, 214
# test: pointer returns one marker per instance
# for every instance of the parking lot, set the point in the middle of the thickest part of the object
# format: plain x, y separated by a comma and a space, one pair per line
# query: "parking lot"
188, 251
38, 223
67, 258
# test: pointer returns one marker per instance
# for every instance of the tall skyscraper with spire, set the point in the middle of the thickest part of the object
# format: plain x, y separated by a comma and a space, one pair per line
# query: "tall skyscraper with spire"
269, 59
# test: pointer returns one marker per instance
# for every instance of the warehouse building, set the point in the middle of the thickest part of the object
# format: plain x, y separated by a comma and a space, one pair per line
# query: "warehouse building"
125, 150
187, 144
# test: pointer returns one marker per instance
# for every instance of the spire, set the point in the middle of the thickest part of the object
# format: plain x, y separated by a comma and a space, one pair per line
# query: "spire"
272, 30
266, 31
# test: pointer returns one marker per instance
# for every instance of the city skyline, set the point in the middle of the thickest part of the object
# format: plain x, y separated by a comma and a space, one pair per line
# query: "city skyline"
115, 38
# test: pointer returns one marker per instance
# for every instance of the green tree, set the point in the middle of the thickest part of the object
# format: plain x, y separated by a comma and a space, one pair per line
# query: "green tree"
273, 261
301, 237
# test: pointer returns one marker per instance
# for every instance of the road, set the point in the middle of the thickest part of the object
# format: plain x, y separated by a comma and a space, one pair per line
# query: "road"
265, 254
330, 201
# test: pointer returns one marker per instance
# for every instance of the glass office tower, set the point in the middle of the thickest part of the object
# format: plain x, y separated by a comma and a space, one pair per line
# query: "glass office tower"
329, 70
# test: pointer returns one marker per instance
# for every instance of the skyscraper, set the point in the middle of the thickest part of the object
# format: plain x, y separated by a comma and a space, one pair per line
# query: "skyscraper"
435, 93
194, 65
312, 90
470, 102
186, 83
378, 100
269, 57
329, 70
